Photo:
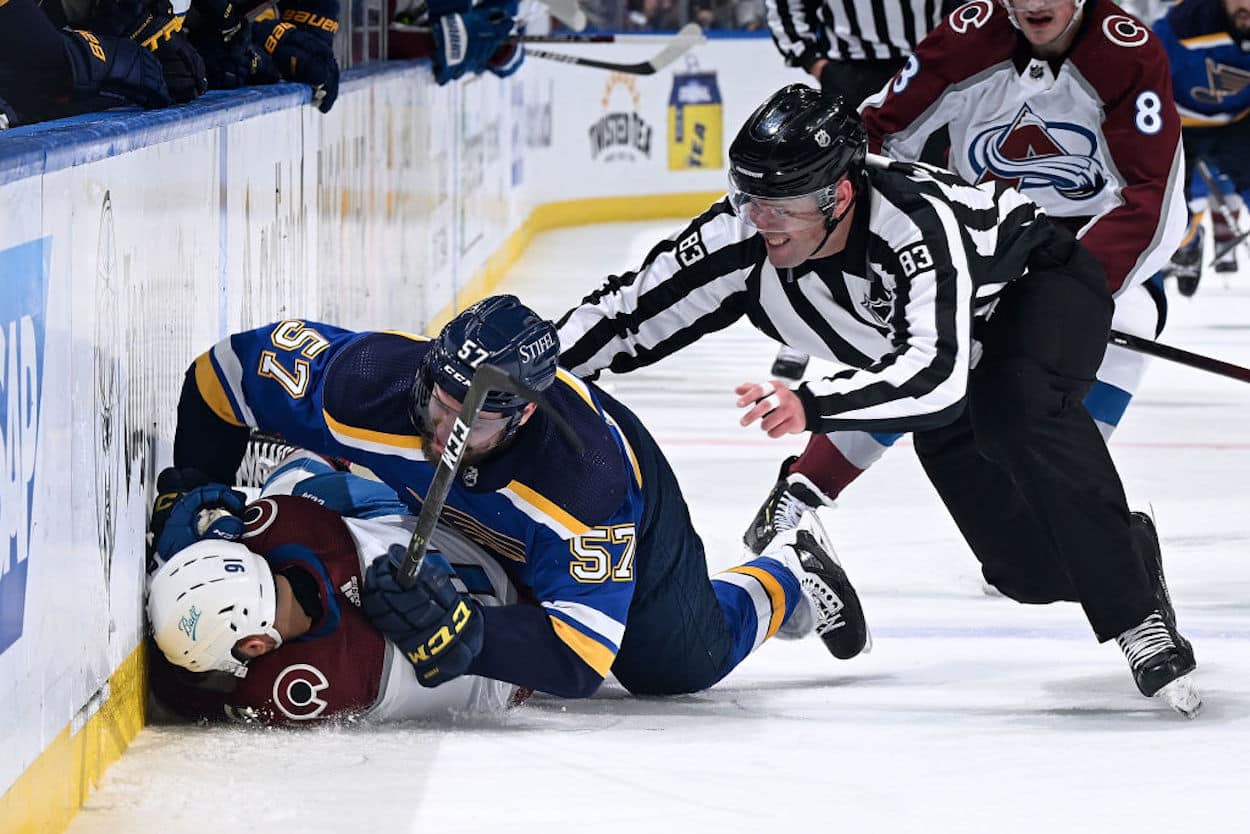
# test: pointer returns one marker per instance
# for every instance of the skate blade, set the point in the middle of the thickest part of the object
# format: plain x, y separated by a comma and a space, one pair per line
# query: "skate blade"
1182, 695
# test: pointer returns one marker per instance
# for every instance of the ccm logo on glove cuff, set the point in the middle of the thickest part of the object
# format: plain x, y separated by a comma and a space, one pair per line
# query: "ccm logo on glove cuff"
312, 21
443, 637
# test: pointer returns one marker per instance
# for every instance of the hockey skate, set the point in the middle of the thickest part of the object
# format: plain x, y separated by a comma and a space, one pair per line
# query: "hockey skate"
830, 605
1160, 658
790, 363
1186, 265
791, 496
261, 456
1225, 235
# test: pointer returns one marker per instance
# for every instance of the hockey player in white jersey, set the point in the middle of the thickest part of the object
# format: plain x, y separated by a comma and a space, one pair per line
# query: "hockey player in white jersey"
268, 628
959, 312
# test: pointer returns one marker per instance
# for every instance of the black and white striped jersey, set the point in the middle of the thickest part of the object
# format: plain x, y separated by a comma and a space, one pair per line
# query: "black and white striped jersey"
895, 306
850, 30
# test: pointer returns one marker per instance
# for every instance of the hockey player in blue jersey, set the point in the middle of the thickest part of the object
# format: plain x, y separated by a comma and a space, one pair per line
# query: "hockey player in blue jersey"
1208, 46
599, 543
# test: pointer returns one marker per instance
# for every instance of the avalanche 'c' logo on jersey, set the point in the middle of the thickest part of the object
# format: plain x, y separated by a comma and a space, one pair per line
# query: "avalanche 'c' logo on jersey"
295, 692
1031, 153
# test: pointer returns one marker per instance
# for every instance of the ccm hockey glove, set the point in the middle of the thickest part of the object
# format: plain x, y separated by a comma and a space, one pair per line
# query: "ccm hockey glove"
186, 525
439, 629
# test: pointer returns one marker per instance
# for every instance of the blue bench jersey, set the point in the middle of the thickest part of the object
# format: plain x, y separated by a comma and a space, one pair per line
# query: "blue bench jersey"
562, 524
1210, 66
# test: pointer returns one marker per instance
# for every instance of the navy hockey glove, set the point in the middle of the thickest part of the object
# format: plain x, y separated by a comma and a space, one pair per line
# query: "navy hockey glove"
117, 68
437, 628
185, 526
301, 56
468, 41
161, 32
507, 58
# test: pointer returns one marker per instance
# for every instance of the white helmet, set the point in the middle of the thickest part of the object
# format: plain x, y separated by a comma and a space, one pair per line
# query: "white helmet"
205, 599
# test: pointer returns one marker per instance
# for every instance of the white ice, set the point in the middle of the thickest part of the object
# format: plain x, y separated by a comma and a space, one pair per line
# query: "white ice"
971, 714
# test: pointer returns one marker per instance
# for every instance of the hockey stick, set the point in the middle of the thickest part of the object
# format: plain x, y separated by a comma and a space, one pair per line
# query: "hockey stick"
1183, 357
486, 378
567, 12
687, 38
1217, 200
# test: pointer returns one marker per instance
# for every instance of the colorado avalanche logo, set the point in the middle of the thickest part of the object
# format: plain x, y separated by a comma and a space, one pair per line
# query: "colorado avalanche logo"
1031, 153
295, 692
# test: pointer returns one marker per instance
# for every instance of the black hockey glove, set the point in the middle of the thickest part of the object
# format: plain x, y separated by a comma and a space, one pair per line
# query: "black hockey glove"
101, 65
184, 69
229, 63
437, 628
302, 57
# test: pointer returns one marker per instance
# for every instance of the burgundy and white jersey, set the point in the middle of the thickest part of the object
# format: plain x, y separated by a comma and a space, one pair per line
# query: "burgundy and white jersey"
342, 666
1093, 138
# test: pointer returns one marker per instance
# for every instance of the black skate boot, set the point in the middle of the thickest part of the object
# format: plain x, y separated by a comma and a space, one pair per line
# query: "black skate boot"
1161, 659
791, 496
790, 363
1186, 265
835, 613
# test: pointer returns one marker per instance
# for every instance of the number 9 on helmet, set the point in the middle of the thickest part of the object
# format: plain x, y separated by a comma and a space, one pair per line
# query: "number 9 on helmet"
206, 598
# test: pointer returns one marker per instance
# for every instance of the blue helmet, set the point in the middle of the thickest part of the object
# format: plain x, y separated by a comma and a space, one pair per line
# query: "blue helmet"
499, 330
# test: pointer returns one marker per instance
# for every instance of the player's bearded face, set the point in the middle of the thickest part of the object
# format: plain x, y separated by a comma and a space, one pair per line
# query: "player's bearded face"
486, 433
1238, 12
1042, 21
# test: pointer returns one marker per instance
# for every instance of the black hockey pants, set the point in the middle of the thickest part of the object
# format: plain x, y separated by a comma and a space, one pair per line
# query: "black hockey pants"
1024, 472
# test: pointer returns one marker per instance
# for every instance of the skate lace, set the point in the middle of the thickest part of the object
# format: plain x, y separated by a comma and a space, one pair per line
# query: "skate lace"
1144, 641
827, 603
260, 458
788, 512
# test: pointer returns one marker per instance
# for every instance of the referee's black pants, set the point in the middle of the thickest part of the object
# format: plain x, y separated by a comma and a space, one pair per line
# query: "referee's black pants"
1024, 471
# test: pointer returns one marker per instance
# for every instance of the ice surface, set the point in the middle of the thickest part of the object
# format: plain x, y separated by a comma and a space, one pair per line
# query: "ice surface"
972, 714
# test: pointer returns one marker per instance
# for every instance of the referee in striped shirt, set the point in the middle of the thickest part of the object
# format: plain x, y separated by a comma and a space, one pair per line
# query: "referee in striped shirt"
851, 46
958, 312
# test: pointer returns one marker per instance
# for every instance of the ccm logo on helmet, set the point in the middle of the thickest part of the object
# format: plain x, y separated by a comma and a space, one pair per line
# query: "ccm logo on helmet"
535, 348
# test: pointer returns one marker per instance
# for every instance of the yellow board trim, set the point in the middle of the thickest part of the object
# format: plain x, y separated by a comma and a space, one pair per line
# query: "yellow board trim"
596, 655
213, 392
776, 594
566, 213
52, 790
400, 441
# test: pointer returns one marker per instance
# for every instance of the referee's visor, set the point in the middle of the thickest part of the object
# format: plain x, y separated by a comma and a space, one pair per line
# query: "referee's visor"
783, 215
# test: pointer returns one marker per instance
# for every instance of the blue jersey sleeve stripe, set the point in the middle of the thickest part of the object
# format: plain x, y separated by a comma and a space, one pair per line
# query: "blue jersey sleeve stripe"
1207, 41
229, 370
209, 384
593, 653
543, 510
378, 442
590, 621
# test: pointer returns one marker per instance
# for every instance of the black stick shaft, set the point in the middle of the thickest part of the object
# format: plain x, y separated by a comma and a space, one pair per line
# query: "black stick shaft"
485, 379
1183, 357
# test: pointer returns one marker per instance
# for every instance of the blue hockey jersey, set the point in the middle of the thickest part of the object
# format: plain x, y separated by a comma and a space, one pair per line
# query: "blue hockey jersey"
1210, 63
562, 524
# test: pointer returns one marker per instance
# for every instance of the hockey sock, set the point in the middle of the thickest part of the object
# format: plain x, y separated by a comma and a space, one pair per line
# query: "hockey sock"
756, 598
